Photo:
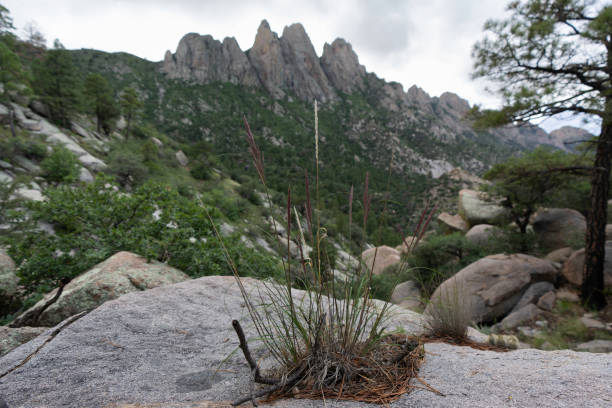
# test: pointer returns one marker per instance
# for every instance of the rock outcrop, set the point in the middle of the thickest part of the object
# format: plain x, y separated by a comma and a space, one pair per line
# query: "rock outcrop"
122, 273
490, 287
203, 59
13, 337
342, 67
164, 347
289, 63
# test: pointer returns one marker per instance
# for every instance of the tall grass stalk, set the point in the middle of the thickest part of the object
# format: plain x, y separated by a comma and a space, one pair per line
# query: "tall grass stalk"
328, 337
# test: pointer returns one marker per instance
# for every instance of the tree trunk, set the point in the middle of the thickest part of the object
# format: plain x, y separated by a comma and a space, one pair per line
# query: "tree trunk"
593, 273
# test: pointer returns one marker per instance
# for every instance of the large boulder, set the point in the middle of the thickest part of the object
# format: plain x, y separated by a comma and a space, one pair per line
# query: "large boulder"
9, 289
174, 346
379, 258
475, 208
13, 337
452, 223
490, 287
122, 273
559, 227
481, 234
572, 268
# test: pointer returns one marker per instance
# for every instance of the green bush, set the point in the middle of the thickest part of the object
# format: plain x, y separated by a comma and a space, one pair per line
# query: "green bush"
61, 166
21, 146
127, 166
94, 221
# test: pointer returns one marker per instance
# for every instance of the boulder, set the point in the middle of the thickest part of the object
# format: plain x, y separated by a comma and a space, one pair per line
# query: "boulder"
491, 286
533, 294
379, 258
452, 223
29, 194
122, 273
407, 295
475, 209
592, 324
85, 175
559, 255
547, 301
481, 234
559, 227
596, 346
181, 158
408, 244
39, 108
524, 315
9, 285
13, 337
572, 269
174, 346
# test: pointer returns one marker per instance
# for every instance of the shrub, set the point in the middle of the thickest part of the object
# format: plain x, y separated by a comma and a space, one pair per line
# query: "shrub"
94, 221
448, 314
61, 166
127, 167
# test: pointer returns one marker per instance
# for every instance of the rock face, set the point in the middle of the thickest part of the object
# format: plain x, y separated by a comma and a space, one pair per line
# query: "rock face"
378, 258
342, 67
533, 294
572, 268
11, 338
203, 59
122, 273
474, 208
163, 347
559, 227
289, 63
491, 286
9, 291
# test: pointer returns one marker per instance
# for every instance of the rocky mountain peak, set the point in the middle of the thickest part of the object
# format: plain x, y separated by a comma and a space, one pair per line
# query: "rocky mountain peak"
342, 67
267, 59
454, 103
203, 59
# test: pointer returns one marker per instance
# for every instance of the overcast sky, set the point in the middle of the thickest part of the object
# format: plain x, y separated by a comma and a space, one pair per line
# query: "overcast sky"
422, 42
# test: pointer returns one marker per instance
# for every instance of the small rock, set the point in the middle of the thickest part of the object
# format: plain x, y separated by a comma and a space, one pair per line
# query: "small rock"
5, 165
524, 315
567, 295
547, 301
596, 346
226, 229
591, 323
529, 331
379, 258
559, 255
29, 194
4, 177
181, 158
85, 175
541, 323
453, 222
533, 293
157, 142
481, 234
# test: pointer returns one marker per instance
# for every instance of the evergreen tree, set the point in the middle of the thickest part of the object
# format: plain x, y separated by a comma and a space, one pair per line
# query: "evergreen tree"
550, 57
99, 97
57, 84
130, 105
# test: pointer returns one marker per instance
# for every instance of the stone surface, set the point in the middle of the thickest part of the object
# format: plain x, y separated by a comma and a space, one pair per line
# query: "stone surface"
596, 346
162, 348
524, 315
122, 273
491, 286
85, 175
181, 158
568, 295
591, 323
481, 234
559, 255
547, 301
29, 194
9, 289
203, 59
572, 269
11, 338
453, 223
559, 227
475, 209
533, 294
407, 295
379, 258
342, 67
